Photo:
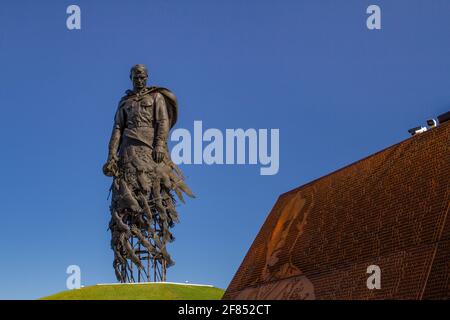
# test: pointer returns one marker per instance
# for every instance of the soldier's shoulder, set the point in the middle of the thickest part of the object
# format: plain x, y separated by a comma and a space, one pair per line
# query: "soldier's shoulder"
128, 95
157, 95
160, 92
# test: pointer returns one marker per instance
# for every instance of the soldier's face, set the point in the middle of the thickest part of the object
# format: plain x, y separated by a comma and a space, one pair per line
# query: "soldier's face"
139, 80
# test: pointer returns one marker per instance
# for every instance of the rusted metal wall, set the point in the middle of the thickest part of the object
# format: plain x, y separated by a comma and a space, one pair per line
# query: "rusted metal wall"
390, 209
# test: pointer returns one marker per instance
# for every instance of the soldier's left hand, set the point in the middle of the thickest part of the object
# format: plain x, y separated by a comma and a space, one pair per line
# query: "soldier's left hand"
158, 156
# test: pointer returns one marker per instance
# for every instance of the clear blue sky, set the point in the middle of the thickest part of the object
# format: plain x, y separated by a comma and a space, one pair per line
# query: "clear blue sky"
337, 92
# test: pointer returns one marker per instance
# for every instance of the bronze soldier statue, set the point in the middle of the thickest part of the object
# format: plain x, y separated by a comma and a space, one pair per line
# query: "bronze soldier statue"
144, 179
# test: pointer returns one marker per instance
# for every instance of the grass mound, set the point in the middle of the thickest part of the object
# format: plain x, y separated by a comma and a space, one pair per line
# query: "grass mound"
150, 291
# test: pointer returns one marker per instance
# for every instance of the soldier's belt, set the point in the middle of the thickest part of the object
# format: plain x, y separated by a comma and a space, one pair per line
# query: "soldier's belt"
139, 125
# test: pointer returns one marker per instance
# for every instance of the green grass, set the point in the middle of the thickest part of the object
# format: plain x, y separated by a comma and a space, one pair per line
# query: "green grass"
156, 291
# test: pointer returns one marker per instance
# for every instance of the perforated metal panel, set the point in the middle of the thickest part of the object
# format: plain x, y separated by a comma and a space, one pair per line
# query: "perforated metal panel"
390, 209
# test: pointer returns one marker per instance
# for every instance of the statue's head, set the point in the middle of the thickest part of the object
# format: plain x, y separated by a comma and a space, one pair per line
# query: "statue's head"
139, 76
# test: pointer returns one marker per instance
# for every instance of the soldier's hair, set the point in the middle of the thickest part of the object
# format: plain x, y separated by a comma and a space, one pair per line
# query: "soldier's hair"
138, 68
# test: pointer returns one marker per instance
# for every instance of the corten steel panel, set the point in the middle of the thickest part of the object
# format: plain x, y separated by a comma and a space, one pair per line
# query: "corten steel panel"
390, 209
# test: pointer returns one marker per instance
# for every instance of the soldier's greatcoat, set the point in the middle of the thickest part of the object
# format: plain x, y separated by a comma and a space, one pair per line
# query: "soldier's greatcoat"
142, 203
